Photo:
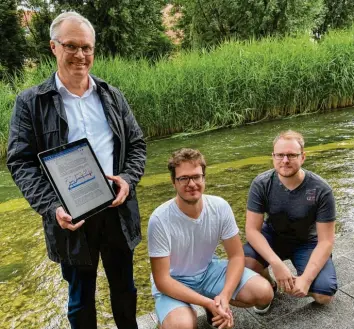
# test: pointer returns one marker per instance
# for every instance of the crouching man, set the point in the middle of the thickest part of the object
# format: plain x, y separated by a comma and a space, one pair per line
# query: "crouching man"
300, 214
183, 234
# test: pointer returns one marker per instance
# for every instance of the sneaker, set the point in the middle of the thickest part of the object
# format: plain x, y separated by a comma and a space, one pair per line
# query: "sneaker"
209, 316
265, 309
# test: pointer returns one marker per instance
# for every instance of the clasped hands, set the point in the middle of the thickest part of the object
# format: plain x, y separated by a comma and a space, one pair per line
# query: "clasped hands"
65, 220
297, 286
222, 313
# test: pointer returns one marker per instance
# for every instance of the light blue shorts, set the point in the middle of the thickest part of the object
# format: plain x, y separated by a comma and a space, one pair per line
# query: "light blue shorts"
209, 284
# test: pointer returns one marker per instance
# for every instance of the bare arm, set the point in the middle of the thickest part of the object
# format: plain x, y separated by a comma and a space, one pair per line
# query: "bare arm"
323, 250
235, 267
254, 222
234, 271
283, 276
319, 257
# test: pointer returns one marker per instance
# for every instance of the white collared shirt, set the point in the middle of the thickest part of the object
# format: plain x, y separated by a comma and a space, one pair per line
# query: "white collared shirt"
86, 118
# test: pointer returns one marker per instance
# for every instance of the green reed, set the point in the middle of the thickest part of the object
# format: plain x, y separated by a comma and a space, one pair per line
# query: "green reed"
7, 98
236, 83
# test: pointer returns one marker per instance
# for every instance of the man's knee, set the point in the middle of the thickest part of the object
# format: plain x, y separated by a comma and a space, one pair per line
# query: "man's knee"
262, 291
325, 285
257, 291
180, 318
322, 299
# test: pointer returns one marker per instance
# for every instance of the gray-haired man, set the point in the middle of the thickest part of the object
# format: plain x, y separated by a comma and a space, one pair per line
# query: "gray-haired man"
71, 105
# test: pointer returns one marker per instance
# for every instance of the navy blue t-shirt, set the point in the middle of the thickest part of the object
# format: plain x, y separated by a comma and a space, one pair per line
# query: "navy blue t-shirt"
292, 214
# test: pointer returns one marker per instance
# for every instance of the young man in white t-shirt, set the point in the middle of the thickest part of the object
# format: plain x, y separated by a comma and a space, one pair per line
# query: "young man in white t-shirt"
183, 234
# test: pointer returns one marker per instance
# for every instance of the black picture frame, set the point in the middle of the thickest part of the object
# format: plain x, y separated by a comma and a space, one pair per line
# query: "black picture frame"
66, 148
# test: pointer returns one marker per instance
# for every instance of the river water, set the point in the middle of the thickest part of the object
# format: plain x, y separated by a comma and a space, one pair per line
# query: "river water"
33, 294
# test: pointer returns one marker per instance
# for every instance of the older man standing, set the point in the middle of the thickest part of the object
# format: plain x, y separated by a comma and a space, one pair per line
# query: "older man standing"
300, 220
69, 106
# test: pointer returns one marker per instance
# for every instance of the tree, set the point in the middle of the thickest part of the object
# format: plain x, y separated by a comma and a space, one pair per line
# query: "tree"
339, 14
12, 39
38, 38
208, 22
129, 28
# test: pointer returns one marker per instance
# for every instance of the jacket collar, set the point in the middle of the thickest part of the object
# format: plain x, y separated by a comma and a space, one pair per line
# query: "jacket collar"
49, 86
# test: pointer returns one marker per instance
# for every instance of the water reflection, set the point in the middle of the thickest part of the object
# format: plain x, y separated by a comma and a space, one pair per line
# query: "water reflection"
256, 139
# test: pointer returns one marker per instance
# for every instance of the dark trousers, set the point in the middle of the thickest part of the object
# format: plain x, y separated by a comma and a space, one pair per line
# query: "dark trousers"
105, 237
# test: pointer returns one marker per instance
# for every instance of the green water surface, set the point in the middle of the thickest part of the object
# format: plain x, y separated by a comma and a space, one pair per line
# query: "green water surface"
33, 294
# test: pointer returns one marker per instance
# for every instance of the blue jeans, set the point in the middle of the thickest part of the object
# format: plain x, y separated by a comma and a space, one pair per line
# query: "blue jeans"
104, 237
299, 253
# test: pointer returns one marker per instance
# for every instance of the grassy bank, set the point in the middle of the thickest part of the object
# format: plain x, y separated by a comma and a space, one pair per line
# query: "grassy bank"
234, 84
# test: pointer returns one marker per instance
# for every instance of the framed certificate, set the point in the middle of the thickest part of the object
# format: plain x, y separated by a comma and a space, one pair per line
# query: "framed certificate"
77, 178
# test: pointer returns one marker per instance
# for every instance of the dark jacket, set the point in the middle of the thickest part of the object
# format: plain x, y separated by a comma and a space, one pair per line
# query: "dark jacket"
39, 123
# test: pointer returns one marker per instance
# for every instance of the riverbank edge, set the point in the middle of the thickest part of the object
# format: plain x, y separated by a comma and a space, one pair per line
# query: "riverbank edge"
3, 144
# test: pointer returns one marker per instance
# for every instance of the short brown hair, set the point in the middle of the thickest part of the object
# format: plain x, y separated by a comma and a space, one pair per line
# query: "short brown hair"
291, 134
185, 155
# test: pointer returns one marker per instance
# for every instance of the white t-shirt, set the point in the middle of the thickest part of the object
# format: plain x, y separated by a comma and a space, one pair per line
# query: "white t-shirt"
189, 242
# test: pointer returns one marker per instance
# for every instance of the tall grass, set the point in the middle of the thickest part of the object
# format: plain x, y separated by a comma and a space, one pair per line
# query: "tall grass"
237, 83
234, 84
7, 98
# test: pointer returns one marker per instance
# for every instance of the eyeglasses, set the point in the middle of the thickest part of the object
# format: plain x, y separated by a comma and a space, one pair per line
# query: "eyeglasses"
290, 156
72, 49
184, 180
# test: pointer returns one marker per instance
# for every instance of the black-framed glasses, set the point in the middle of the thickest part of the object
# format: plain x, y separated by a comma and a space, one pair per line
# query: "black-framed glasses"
73, 49
290, 156
184, 180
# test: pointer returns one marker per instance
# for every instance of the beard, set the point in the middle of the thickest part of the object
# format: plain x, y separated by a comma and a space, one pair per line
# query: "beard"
189, 202
288, 174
